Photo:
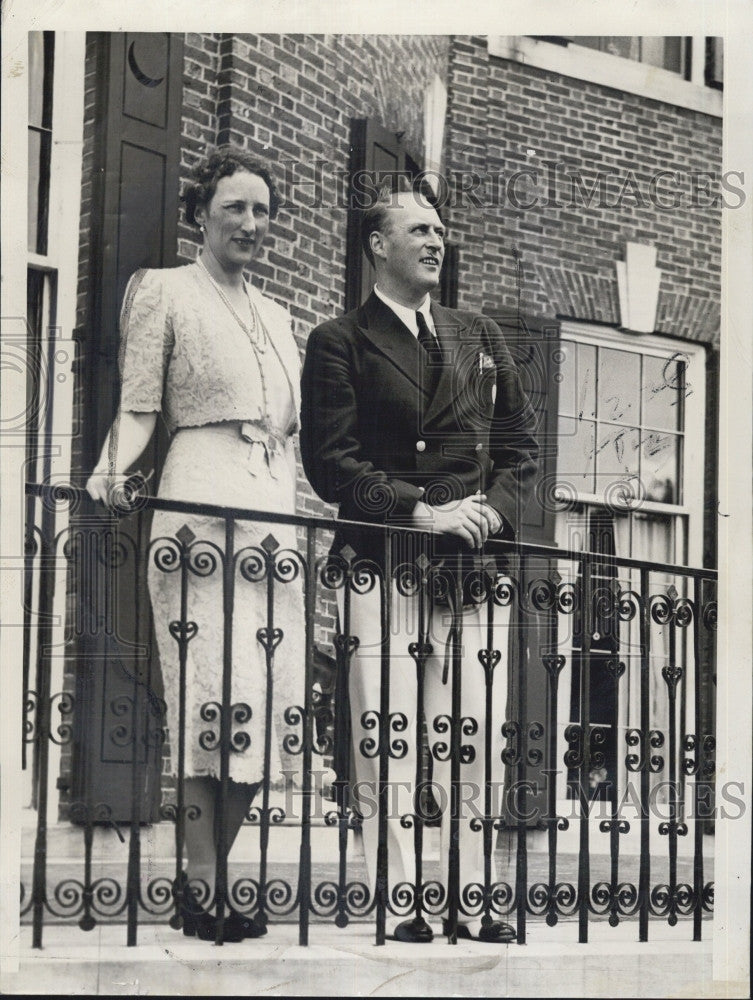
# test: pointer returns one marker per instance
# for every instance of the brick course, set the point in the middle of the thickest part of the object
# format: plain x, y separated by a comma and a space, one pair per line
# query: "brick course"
527, 118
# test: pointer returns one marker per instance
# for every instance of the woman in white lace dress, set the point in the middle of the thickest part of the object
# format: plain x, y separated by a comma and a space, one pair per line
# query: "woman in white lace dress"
203, 347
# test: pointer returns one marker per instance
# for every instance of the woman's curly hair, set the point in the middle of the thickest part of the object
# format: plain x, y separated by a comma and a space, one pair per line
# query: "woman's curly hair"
223, 162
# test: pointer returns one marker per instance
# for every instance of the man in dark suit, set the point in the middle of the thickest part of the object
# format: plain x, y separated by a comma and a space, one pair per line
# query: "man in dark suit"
413, 415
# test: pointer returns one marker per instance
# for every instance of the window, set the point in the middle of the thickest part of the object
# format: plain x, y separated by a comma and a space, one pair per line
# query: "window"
679, 70
667, 52
629, 477
41, 63
621, 421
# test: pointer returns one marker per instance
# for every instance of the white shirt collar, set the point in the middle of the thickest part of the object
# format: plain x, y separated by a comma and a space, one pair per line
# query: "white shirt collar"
405, 315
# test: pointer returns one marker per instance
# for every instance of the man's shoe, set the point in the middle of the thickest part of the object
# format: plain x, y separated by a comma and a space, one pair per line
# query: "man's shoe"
415, 931
497, 932
249, 927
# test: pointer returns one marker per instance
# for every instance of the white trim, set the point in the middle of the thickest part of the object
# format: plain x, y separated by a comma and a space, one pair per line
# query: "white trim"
693, 431
628, 75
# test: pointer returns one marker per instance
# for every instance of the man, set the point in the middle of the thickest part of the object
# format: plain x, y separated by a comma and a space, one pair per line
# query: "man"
413, 415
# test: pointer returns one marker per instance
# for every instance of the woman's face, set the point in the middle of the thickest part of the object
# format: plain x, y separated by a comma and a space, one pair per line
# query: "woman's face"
235, 219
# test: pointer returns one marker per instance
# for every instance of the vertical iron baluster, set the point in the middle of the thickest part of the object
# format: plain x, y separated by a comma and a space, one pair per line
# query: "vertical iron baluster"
453, 873
30, 547
89, 580
134, 845
644, 876
382, 861
181, 633
269, 642
228, 600
553, 664
521, 799
672, 674
304, 867
614, 824
697, 758
44, 708
489, 658
584, 865
345, 646
419, 651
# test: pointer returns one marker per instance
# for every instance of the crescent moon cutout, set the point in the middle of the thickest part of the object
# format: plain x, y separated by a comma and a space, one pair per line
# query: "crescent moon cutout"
147, 81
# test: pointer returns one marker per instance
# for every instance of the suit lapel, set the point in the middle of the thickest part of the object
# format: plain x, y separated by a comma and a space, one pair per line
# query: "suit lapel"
460, 346
379, 324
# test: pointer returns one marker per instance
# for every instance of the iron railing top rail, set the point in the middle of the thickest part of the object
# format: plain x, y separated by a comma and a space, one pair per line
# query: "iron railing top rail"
58, 493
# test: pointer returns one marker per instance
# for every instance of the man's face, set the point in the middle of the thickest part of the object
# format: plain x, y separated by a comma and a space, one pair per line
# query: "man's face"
410, 248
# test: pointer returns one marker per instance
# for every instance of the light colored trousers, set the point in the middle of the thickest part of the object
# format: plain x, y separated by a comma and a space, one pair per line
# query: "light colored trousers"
365, 678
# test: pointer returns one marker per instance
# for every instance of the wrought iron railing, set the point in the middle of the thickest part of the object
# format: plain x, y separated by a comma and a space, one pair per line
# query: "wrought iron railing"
608, 709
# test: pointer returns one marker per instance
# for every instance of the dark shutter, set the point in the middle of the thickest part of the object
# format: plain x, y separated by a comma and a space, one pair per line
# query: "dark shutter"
133, 224
534, 342
377, 157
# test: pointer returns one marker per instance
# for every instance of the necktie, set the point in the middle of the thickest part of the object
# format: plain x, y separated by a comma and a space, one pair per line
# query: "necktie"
432, 353
427, 340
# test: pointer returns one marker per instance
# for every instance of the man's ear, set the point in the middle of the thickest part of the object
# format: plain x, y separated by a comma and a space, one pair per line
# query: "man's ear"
376, 242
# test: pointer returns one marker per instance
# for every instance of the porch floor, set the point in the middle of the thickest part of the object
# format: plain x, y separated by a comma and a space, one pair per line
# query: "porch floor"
348, 963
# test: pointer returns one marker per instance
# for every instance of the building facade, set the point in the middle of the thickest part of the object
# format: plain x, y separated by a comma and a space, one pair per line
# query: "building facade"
580, 180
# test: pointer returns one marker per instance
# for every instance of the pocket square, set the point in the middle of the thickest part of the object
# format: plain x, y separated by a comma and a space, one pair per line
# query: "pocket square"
485, 362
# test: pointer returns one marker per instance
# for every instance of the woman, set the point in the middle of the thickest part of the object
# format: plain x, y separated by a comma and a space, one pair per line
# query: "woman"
203, 347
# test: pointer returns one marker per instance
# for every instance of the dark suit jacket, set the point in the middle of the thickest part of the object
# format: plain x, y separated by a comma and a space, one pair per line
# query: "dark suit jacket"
375, 438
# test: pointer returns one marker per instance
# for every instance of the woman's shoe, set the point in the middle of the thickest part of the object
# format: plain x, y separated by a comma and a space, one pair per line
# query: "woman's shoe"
197, 922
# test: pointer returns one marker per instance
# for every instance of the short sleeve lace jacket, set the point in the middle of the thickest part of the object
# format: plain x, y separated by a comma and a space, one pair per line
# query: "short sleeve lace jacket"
182, 353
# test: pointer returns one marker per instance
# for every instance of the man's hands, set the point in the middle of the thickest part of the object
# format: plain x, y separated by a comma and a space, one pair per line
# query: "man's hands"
471, 519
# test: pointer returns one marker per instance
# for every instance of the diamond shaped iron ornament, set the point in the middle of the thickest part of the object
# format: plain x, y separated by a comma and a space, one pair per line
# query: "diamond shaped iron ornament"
672, 592
185, 536
422, 561
348, 553
270, 544
556, 578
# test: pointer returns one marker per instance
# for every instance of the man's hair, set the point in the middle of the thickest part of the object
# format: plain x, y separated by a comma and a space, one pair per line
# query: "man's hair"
375, 218
223, 162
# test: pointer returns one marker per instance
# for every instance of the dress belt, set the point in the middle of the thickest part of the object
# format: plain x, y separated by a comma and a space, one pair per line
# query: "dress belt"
266, 445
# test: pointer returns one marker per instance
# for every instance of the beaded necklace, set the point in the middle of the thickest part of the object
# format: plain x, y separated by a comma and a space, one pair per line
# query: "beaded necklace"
256, 333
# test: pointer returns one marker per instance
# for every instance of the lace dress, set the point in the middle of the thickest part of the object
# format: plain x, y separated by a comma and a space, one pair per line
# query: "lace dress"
232, 411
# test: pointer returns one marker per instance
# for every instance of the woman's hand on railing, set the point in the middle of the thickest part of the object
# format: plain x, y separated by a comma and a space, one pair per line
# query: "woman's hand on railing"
116, 490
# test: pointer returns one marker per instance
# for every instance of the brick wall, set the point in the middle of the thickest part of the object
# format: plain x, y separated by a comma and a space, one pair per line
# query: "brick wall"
506, 117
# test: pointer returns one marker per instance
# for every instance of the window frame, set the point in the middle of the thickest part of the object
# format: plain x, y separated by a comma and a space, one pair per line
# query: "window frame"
603, 68
692, 464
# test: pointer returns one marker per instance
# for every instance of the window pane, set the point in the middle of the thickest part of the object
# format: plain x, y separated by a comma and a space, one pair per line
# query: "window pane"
673, 54
577, 396
660, 467
663, 384
36, 78
619, 386
665, 53
35, 146
575, 461
617, 455
621, 45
